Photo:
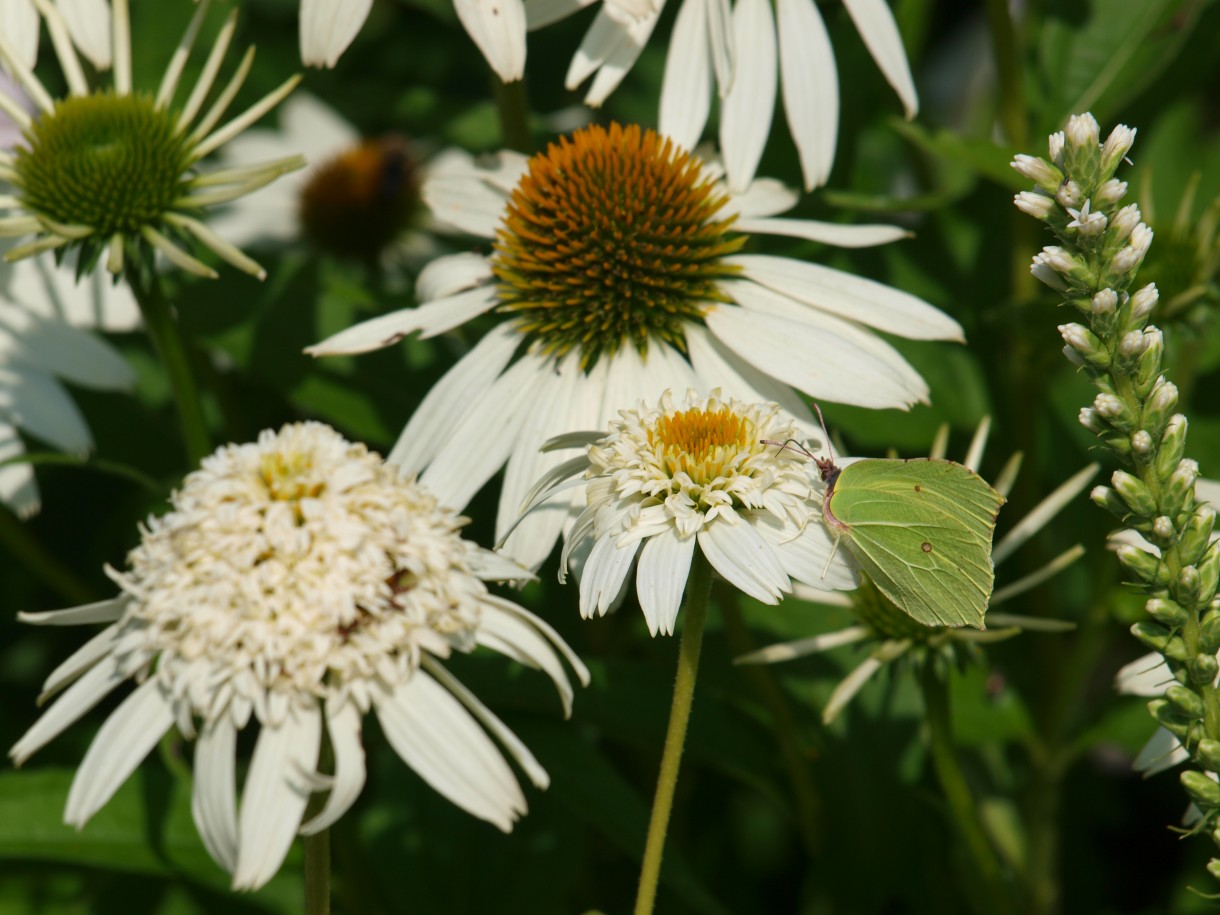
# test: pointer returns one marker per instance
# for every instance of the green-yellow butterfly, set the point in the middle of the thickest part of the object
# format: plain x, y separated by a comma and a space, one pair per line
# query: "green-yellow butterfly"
921, 529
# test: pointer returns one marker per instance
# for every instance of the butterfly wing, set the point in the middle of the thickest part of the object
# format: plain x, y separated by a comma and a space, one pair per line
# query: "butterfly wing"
922, 531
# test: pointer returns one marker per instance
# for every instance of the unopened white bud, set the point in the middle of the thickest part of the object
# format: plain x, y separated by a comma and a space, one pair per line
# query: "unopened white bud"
1070, 194
1110, 192
1055, 145
1083, 132
1123, 222
1143, 302
1117, 145
1162, 527
1035, 204
1108, 406
1141, 442
1042, 173
1105, 302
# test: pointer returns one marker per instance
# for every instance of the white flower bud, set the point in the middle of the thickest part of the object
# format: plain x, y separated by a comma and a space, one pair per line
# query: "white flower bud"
1035, 204
1108, 406
1043, 273
1162, 527
1118, 144
1083, 132
1070, 194
1055, 145
1143, 302
1131, 345
1073, 357
1110, 192
1039, 171
1090, 419
1124, 221
1132, 256
1141, 442
1105, 302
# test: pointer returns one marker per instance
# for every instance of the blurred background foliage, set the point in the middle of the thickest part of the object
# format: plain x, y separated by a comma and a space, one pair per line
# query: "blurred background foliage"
1045, 741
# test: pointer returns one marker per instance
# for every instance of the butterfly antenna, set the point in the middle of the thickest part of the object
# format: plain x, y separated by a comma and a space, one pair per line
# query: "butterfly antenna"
790, 444
822, 421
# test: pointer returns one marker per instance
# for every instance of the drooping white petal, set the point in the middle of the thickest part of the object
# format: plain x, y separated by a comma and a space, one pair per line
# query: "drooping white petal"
40, 405
452, 398
660, 579
18, 489
745, 114
466, 203
764, 197
214, 791
92, 687
103, 611
1147, 675
61, 349
744, 560
121, 744
1162, 751
275, 794
497, 27
343, 726
811, 87
504, 607
786, 651
811, 359
856, 298
876, 25
81, 660
38, 285
440, 740
328, 27
807, 556
603, 575
482, 438
686, 88
621, 57
447, 276
19, 26
1043, 512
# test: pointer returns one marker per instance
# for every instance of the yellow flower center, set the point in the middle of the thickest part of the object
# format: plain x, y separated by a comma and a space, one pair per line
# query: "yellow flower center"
611, 238
703, 445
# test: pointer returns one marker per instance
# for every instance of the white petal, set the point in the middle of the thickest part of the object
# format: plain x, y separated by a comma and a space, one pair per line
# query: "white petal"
722, 43
88, 23
1147, 675
53, 346
214, 793
602, 578
328, 27
1162, 751
38, 285
310, 127
483, 437
853, 297
131, 731
487, 718
744, 560
514, 638
620, 59
745, 115
440, 740
431, 319
505, 607
450, 399
877, 27
93, 686
497, 27
786, 651
631, 379
686, 89
828, 233
539, 13
1043, 512
447, 276
806, 556
81, 660
466, 203
759, 298
811, 359
811, 87
661, 577
19, 25
849, 686
39, 405
275, 794
343, 726
103, 611
18, 489
764, 197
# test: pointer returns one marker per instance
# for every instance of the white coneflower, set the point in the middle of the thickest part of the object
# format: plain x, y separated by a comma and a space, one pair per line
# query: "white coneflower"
298, 583
888, 634
703, 473
617, 275
117, 169
744, 49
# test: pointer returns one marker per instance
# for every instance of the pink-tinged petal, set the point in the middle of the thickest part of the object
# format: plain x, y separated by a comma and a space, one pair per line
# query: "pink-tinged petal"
328, 27
745, 117
811, 87
686, 89
497, 27
660, 579
131, 731
275, 794
877, 27
214, 792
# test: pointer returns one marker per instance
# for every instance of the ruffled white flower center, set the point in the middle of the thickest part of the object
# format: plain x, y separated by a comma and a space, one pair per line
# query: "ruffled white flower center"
688, 465
298, 567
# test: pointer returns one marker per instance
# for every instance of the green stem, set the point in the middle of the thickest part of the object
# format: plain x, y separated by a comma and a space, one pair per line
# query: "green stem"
167, 340
957, 792
783, 725
512, 105
25, 550
1009, 72
694, 615
317, 873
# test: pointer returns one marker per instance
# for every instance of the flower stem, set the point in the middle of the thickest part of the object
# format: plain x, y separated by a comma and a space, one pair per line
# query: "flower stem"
957, 792
167, 340
317, 873
694, 615
512, 105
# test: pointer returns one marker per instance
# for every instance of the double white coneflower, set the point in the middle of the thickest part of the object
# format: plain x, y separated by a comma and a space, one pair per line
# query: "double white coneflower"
298, 583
